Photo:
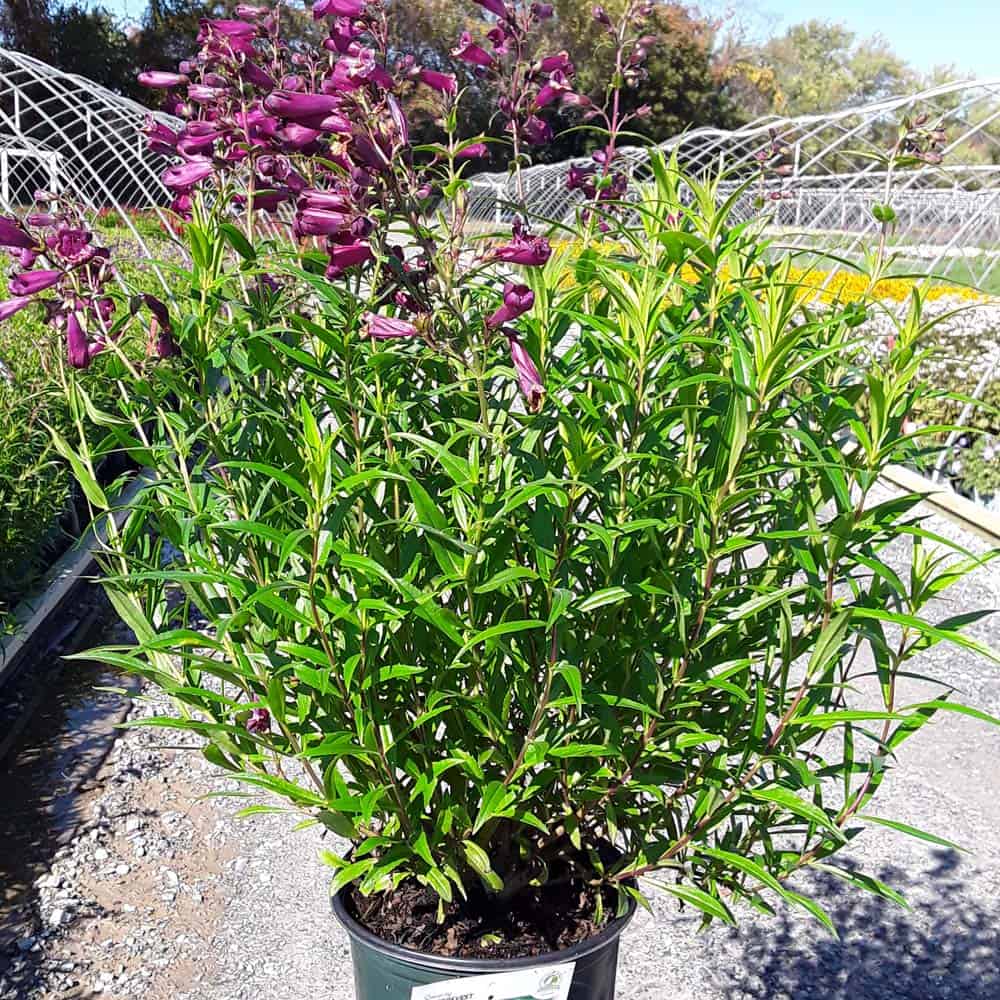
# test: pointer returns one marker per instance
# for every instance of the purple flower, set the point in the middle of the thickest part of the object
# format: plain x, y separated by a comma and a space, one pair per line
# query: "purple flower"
537, 131
314, 111
347, 255
354, 71
517, 300
230, 29
33, 282
560, 62
78, 349
528, 376
184, 176
582, 179
160, 80
386, 327
524, 250
11, 306
269, 199
320, 222
443, 83
315, 198
161, 331
399, 119
473, 151
557, 86
12, 235
541, 11
161, 138
601, 16
298, 137
338, 8
259, 721
40, 220
468, 51
256, 76
497, 7
73, 245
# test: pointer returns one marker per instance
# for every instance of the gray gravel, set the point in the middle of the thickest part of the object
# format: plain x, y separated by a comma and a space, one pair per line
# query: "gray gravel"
164, 895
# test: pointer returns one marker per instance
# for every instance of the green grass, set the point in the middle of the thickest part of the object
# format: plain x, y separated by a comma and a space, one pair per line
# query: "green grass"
35, 484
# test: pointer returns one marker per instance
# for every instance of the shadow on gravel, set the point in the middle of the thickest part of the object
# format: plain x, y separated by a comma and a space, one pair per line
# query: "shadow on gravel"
42, 783
947, 947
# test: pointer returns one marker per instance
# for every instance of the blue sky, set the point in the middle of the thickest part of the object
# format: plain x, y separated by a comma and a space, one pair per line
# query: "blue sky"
926, 33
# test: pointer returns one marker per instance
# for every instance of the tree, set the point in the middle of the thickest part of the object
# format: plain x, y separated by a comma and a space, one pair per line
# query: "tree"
818, 66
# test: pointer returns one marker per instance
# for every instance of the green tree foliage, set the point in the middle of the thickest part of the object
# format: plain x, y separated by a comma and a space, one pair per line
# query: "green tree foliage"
817, 66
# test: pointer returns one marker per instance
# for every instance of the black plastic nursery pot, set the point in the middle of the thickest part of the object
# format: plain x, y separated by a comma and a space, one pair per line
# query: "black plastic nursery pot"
384, 971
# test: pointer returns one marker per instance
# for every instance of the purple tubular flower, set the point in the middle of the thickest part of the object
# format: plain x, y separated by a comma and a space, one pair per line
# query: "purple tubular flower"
78, 349
314, 198
399, 120
230, 28
517, 300
497, 7
159, 80
184, 176
259, 721
347, 255
473, 152
200, 93
443, 83
320, 222
524, 250
253, 74
560, 62
11, 306
161, 331
298, 137
269, 200
542, 11
315, 111
537, 131
12, 235
338, 8
386, 327
528, 376
580, 178
161, 139
33, 282
468, 51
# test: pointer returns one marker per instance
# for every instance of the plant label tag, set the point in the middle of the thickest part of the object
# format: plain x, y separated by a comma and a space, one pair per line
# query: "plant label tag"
548, 982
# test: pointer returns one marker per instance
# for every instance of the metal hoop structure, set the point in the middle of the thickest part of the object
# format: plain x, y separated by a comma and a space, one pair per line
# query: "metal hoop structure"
61, 132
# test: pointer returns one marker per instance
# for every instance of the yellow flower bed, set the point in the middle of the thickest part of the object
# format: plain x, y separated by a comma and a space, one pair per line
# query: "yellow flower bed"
838, 286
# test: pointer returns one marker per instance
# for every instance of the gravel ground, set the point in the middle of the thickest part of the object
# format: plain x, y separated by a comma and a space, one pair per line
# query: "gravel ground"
162, 894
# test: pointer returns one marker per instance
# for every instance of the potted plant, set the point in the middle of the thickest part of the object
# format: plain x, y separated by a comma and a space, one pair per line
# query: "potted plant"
527, 574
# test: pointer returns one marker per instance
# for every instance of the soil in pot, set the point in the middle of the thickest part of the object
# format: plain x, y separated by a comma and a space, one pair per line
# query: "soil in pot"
537, 921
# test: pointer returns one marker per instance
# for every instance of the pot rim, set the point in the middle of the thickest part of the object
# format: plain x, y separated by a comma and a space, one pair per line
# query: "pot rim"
468, 966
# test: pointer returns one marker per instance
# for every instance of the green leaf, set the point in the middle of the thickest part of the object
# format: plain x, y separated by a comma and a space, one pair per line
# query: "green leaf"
601, 598
911, 831
495, 631
237, 241
497, 801
787, 799
701, 900
479, 861
584, 750
92, 491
